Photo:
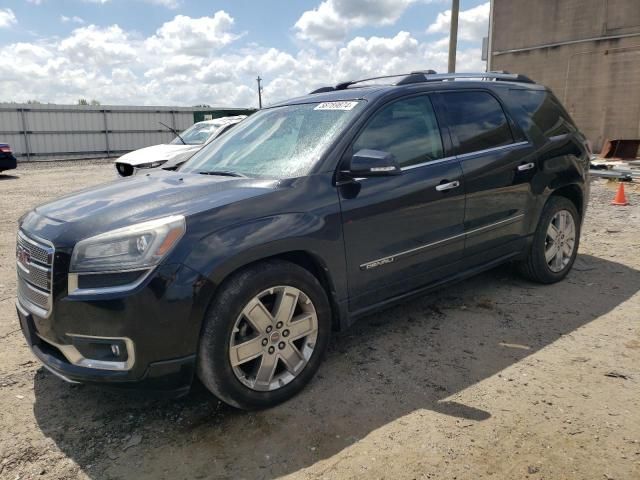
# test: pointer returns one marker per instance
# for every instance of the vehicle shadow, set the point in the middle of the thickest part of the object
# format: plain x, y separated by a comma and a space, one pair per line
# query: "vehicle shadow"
4, 176
409, 358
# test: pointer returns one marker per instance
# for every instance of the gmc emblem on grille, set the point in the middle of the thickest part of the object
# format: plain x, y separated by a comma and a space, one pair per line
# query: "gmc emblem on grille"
23, 257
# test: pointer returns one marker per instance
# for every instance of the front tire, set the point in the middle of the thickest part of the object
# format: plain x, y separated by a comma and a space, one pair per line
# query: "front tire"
264, 335
555, 242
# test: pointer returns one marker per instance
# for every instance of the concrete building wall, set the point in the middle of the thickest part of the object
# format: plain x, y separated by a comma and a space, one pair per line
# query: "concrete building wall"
586, 51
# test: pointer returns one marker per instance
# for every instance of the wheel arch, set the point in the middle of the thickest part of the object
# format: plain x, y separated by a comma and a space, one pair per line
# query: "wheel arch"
573, 193
306, 259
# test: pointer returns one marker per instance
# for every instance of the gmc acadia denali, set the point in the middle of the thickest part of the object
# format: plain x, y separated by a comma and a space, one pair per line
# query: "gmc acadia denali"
306, 216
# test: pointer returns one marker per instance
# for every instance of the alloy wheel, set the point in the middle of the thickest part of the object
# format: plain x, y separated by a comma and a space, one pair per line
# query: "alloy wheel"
560, 241
273, 338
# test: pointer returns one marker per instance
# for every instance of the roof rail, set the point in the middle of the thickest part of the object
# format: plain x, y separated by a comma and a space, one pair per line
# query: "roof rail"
344, 85
499, 75
431, 76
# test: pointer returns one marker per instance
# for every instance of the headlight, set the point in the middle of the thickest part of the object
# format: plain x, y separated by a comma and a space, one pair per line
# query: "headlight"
151, 164
135, 247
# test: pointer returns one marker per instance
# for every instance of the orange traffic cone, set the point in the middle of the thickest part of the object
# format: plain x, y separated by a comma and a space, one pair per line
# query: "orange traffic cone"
620, 198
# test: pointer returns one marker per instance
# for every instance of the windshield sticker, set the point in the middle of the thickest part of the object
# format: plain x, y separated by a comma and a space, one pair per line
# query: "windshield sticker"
336, 106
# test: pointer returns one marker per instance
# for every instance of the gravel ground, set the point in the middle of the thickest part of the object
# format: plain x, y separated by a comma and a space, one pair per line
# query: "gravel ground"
492, 378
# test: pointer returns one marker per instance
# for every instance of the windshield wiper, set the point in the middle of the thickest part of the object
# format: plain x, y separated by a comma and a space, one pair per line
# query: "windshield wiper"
223, 173
174, 131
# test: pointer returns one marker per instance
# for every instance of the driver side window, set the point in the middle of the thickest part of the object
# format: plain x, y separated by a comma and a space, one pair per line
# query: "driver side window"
406, 128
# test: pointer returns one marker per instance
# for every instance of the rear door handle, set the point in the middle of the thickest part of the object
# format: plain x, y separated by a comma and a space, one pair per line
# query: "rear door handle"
448, 186
526, 166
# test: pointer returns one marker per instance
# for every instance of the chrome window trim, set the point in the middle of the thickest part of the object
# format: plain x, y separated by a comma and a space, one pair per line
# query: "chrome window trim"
391, 258
464, 155
428, 162
456, 157
492, 149
73, 289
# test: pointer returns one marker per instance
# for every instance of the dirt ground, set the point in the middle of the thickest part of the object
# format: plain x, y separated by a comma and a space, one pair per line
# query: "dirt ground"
491, 378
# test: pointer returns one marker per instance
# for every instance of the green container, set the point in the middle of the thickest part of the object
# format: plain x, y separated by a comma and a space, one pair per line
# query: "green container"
211, 114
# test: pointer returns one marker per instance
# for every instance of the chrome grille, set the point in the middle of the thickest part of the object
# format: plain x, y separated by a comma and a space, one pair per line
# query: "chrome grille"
34, 263
37, 276
39, 252
33, 295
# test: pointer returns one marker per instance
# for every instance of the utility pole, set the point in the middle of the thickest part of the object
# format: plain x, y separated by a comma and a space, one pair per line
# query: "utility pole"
259, 92
453, 35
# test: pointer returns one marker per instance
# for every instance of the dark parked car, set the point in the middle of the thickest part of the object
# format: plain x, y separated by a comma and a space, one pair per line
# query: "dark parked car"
304, 217
7, 160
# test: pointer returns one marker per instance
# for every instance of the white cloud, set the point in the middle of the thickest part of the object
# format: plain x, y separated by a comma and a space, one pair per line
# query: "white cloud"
329, 23
7, 18
473, 24
99, 46
172, 4
190, 61
194, 36
35, 2
74, 19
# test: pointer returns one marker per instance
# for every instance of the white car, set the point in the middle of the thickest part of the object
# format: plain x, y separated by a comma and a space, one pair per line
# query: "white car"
170, 156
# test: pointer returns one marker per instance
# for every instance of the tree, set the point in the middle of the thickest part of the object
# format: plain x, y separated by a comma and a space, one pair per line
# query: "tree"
82, 101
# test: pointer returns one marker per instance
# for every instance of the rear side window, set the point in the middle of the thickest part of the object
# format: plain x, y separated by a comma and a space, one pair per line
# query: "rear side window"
545, 111
406, 128
477, 120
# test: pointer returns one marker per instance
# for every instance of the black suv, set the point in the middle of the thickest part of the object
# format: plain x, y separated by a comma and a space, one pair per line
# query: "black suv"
307, 215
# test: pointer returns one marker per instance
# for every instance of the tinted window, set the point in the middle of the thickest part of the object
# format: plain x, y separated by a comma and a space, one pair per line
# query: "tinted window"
478, 121
545, 111
407, 129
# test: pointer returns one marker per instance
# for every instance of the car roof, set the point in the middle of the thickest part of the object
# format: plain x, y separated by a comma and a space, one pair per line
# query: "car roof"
356, 91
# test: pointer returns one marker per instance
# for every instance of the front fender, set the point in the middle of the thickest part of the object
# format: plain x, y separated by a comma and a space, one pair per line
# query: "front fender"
221, 253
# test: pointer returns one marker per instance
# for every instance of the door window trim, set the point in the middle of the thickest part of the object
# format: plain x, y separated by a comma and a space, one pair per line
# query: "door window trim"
492, 149
428, 162
465, 155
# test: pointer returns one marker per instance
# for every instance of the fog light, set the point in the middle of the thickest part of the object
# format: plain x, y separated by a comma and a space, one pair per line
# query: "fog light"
103, 349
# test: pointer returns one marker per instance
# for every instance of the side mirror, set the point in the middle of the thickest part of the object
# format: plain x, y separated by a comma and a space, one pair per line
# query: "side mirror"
373, 163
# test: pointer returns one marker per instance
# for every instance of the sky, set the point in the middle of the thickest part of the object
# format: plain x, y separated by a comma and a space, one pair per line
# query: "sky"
185, 53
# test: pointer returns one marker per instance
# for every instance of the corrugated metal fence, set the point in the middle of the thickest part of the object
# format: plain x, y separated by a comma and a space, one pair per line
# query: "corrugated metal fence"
47, 132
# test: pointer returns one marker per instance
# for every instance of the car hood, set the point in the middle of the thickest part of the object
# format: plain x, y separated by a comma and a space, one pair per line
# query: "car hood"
137, 199
157, 153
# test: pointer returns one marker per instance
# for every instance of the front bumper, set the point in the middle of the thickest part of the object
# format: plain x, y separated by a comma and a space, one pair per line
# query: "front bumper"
158, 324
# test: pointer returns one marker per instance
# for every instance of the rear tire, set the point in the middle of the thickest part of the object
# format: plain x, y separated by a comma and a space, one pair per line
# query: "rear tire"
555, 242
264, 335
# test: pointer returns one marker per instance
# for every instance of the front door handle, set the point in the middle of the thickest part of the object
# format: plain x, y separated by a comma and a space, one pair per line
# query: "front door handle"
448, 186
526, 166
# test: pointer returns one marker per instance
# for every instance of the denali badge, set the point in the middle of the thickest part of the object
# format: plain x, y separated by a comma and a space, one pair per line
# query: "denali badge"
377, 263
